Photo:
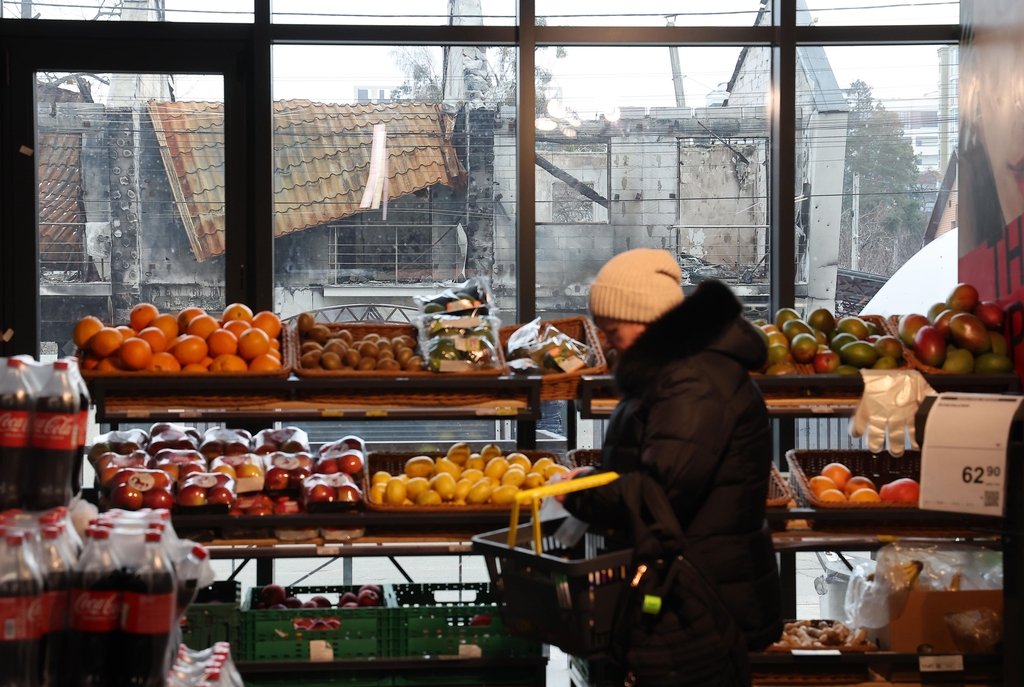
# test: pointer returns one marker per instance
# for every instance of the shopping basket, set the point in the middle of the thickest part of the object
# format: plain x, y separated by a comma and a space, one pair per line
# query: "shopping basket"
546, 592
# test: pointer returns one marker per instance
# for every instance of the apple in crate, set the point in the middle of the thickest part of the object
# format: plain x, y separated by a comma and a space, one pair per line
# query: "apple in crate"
320, 493
903, 490
127, 497
276, 479
192, 496
157, 499
367, 598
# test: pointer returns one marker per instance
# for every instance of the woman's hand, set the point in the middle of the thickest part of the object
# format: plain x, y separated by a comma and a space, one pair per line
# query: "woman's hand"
572, 474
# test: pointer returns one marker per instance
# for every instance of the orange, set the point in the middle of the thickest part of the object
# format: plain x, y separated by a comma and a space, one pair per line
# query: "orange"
856, 483
85, 329
167, 324
222, 342
253, 342
110, 364
268, 322
264, 362
831, 495
820, 483
136, 353
194, 367
186, 315
228, 363
275, 344
237, 311
142, 314
171, 343
202, 326
206, 362
126, 332
164, 362
865, 495
274, 353
105, 341
838, 473
191, 349
155, 338
236, 327
90, 362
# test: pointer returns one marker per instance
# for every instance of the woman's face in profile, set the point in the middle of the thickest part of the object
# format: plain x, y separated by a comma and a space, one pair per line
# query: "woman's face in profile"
619, 333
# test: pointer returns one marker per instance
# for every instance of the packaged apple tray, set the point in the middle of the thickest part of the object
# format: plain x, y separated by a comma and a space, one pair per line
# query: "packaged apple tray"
413, 620
880, 468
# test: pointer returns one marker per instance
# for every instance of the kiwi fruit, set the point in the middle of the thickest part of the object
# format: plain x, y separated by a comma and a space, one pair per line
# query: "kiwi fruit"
310, 359
367, 364
330, 361
336, 346
369, 349
346, 336
388, 364
306, 322
352, 357
414, 364
310, 346
403, 355
319, 333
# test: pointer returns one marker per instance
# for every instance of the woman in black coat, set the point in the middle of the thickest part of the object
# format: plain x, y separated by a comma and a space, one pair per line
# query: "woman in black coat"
693, 420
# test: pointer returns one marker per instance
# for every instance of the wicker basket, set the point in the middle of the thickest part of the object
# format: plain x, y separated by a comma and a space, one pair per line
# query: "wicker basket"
287, 355
361, 329
779, 494
562, 386
394, 463
908, 353
880, 468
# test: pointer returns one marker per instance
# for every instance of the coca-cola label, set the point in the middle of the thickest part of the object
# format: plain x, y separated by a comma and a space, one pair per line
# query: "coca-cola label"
147, 614
14, 428
55, 611
286, 462
21, 618
143, 481
94, 611
55, 431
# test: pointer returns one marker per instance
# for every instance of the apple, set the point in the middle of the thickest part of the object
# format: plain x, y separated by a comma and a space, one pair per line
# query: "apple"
903, 490
287, 507
192, 496
292, 602
350, 462
260, 510
349, 605
320, 602
348, 493
276, 479
219, 495
328, 466
321, 493
126, 496
226, 469
367, 598
248, 470
157, 498
347, 598
273, 594
480, 619
826, 362
278, 607
309, 604
370, 587
259, 606
297, 476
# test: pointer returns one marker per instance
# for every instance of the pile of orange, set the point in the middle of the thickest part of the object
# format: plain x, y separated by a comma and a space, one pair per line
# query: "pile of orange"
837, 483
191, 341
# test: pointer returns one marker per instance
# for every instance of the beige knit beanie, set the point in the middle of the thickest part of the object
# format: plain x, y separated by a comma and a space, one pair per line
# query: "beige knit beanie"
639, 285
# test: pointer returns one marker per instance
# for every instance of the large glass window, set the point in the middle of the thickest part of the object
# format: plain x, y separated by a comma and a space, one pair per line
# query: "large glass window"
652, 147
393, 177
131, 197
876, 177
130, 10
878, 12
650, 13
409, 12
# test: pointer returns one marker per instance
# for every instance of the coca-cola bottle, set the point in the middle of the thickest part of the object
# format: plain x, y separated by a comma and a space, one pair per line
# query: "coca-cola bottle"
54, 443
17, 401
56, 571
147, 618
188, 577
21, 600
84, 401
95, 613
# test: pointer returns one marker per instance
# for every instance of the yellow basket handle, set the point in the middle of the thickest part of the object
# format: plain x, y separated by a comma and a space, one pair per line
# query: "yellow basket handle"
535, 495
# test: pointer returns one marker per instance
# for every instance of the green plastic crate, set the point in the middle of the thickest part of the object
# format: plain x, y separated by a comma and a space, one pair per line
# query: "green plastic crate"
271, 635
206, 624
434, 620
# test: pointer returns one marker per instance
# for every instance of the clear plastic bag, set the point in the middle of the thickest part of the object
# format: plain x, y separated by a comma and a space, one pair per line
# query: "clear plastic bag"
976, 632
550, 350
472, 297
459, 343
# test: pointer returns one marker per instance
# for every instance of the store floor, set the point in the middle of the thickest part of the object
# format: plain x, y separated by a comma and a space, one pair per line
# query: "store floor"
452, 569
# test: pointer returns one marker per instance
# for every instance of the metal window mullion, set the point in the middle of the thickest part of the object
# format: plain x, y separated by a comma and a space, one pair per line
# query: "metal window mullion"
694, 36
526, 151
257, 272
783, 163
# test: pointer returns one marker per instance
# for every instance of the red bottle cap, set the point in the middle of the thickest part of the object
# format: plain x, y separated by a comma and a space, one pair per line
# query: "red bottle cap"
15, 539
14, 362
153, 536
200, 552
101, 533
60, 365
50, 533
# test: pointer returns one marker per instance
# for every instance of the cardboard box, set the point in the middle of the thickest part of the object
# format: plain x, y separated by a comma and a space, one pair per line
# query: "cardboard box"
923, 619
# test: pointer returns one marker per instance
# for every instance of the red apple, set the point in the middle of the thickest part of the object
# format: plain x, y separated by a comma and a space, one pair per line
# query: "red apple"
826, 362
260, 510
273, 594
277, 607
351, 462
321, 602
157, 498
328, 467
347, 598
309, 604
903, 490
321, 493
480, 620
367, 598
292, 602
296, 477
127, 497
192, 496
348, 493
370, 587
276, 479
349, 605
220, 495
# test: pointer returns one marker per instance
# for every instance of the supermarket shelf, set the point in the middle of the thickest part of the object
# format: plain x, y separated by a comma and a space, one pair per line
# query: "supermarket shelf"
866, 658
338, 549
868, 515
476, 522
802, 395
389, 664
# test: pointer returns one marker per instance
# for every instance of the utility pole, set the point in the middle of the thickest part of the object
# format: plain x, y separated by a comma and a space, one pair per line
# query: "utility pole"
26, 9
677, 73
855, 243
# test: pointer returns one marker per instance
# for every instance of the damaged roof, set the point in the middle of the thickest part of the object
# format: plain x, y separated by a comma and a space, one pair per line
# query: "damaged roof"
61, 215
323, 160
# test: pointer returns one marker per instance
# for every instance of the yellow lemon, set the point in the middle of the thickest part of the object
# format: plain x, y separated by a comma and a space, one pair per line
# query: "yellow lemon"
504, 494
490, 451
407, 502
542, 464
428, 498
444, 484
553, 470
514, 476
472, 475
520, 460
496, 467
480, 492
459, 502
394, 491
404, 477
495, 482
416, 486
380, 477
459, 453
420, 466
445, 465
462, 488
533, 480
377, 492
475, 462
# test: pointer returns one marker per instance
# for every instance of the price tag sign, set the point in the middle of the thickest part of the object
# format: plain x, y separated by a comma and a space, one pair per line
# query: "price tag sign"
940, 664
963, 460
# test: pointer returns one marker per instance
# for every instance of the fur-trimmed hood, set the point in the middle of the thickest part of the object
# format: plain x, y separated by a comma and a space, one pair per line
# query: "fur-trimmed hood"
708, 320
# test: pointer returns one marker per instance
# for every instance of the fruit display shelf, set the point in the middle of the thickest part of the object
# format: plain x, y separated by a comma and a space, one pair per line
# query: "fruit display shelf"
802, 395
218, 399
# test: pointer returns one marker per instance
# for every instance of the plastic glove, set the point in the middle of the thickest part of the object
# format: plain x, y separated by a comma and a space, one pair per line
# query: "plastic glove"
890, 401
